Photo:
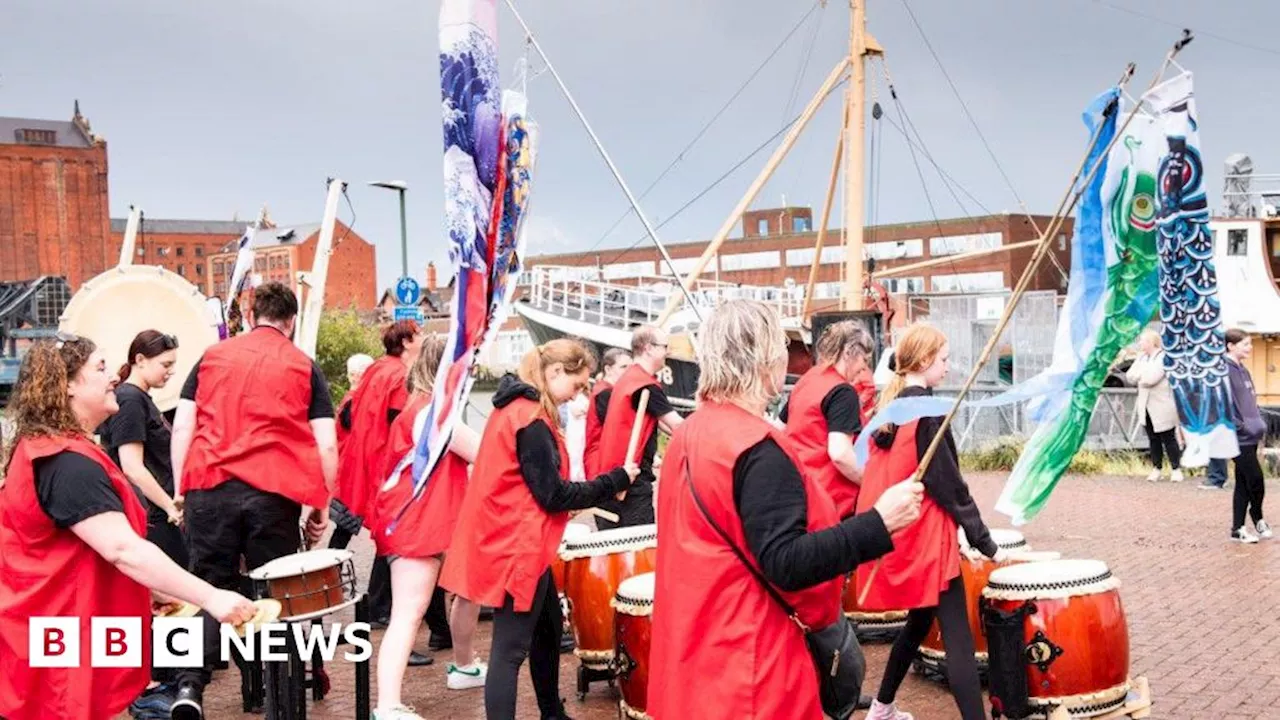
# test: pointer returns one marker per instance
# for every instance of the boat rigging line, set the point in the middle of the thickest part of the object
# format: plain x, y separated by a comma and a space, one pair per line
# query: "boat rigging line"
707, 126
635, 204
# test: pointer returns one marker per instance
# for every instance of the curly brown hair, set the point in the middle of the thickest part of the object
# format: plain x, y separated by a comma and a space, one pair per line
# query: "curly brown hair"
40, 405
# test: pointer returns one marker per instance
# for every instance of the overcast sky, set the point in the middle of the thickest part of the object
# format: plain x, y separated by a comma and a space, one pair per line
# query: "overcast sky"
213, 108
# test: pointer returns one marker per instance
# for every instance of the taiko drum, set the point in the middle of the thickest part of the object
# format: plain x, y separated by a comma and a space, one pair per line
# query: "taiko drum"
595, 567
633, 629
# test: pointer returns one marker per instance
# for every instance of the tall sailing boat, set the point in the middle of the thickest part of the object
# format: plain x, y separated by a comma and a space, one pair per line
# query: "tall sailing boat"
581, 301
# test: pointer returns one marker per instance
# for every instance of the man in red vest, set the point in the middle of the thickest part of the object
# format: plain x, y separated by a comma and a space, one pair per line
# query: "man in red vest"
254, 455
824, 414
649, 354
616, 362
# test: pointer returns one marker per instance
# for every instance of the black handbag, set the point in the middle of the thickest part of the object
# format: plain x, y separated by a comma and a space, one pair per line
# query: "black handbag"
837, 656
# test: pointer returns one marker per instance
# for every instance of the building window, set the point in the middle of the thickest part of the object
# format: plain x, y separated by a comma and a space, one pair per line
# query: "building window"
684, 266
199, 251
762, 226
162, 252
182, 270
956, 244
199, 269
800, 224
37, 137
181, 251
217, 267
749, 261
284, 261
969, 282
1062, 241
904, 285
141, 251
628, 270
1238, 242
894, 250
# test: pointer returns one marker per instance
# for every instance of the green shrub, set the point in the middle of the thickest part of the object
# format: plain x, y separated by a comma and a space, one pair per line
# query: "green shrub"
342, 334
1002, 454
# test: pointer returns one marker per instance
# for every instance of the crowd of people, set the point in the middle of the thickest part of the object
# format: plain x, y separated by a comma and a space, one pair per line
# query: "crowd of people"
109, 509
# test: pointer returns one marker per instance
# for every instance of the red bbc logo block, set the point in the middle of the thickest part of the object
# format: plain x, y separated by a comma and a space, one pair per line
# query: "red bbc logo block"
113, 642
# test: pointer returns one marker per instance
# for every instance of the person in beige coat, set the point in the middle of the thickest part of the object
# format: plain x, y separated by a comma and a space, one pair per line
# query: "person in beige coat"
1156, 406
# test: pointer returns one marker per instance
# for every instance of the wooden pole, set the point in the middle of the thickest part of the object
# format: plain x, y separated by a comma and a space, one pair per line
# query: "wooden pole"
673, 303
854, 147
1065, 207
826, 219
961, 257
636, 427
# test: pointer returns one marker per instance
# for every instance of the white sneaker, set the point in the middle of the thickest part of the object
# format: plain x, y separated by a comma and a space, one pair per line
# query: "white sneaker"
399, 712
1264, 530
1242, 535
1154, 476
880, 711
467, 676
1176, 476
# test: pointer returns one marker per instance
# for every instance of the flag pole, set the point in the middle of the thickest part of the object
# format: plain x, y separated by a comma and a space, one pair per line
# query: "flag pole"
1065, 207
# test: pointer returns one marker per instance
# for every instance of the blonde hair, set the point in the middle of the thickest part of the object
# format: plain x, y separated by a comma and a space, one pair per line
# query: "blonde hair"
741, 345
1152, 337
916, 350
423, 373
572, 354
839, 338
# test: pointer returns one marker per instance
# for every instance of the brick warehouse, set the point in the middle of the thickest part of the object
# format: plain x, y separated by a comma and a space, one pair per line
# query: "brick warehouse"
777, 247
55, 220
54, 213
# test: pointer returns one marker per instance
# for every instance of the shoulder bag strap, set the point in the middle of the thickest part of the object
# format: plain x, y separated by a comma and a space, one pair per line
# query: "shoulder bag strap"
768, 586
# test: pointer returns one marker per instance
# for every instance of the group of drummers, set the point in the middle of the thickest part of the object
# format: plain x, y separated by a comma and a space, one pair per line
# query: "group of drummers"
761, 523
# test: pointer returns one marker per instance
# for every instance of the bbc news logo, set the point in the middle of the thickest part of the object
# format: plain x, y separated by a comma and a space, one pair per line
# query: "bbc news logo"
55, 642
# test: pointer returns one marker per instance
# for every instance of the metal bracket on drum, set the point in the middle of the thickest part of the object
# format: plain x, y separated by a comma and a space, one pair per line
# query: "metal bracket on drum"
1041, 651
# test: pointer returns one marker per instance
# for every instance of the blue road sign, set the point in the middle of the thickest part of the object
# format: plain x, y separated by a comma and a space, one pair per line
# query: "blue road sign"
407, 291
409, 312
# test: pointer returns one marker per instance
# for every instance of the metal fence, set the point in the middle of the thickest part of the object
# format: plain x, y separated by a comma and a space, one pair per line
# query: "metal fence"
968, 321
1112, 426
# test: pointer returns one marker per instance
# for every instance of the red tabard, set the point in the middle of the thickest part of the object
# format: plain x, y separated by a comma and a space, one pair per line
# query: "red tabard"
926, 555
504, 541
426, 528
807, 429
591, 450
711, 617
251, 419
618, 420
363, 455
48, 571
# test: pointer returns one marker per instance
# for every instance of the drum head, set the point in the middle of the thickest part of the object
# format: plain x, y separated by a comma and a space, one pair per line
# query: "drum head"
1004, 539
1050, 579
575, 531
299, 563
607, 542
113, 307
635, 595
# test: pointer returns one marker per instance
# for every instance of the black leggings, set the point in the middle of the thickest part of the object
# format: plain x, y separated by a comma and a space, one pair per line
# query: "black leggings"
518, 635
1250, 487
962, 667
1161, 444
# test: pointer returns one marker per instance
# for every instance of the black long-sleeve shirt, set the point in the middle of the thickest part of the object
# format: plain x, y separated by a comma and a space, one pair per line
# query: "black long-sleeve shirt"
540, 466
769, 494
942, 479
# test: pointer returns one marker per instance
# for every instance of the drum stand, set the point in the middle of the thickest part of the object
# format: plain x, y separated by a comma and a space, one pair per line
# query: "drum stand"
587, 675
281, 688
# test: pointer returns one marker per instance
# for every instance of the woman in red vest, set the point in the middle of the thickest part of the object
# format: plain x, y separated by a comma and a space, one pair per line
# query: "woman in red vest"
824, 416
416, 542
513, 518
357, 365
616, 361
722, 646
72, 541
923, 571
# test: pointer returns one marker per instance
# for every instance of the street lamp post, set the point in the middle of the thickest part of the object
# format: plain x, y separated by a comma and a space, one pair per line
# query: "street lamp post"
400, 186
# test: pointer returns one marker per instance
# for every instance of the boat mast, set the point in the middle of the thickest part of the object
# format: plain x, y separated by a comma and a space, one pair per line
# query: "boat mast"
861, 45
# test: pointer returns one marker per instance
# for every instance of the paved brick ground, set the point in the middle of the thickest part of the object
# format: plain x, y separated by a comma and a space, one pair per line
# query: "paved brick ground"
1201, 611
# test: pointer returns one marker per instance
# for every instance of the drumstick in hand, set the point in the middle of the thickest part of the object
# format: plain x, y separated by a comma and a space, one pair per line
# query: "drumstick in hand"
636, 427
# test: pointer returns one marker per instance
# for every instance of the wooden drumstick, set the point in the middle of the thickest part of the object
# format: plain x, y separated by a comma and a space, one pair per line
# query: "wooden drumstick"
602, 514
636, 427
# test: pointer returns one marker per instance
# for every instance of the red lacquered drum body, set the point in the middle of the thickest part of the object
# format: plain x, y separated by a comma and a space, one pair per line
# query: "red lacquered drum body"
595, 566
633, 627
572, 531
1075, 633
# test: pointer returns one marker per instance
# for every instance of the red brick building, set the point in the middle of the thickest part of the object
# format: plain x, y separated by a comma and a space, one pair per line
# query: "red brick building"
54, 216
777, 247
284, 251
182, 246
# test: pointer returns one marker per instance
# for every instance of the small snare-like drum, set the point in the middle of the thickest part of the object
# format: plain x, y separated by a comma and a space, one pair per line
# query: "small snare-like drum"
1058, 637
595, 565
308, 584
975, 568
1007, 540
633, 627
